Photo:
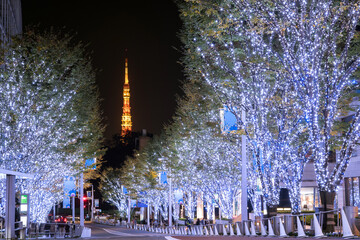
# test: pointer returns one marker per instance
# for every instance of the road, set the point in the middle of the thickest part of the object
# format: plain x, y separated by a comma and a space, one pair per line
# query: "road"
99, 231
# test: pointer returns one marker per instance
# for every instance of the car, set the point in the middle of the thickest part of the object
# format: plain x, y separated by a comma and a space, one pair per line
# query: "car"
61, 219
70, 219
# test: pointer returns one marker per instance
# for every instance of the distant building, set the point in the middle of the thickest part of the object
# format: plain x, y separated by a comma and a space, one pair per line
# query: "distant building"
143, 139
10, 20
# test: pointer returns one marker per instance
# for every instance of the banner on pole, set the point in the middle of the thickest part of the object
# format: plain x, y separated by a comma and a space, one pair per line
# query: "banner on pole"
163, 178
228, 120
90, 163
178, 194
69, 190
141, 204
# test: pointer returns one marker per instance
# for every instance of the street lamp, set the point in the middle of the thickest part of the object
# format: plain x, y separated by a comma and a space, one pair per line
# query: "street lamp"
170, 192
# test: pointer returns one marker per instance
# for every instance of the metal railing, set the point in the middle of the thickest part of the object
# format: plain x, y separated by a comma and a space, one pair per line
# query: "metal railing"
280, 224
50, 230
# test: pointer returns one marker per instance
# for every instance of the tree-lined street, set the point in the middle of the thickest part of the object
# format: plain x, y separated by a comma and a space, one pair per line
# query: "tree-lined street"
264, 139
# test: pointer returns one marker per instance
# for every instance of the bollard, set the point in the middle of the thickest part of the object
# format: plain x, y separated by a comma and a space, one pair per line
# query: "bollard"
263, 231
300, 229
318, 231
271, 230
231, 230
282, 229
238, 232
246, 227
252, 226
347, 233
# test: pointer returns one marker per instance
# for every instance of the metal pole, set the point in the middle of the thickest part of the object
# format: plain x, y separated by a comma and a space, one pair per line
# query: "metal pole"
92, 202
54, 211
10, 207
244, 212
170, 200
82, 200
129, 209
148, 215
73, 209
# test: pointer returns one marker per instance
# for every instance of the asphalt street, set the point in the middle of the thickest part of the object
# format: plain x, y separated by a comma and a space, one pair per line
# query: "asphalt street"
99, 231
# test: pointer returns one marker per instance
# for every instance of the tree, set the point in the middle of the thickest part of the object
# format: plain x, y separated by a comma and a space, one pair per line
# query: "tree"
50, 120
236, 66
112, 189
303, 48
315, 45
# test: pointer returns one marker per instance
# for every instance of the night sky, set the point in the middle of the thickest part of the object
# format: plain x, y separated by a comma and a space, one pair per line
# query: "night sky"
147, 29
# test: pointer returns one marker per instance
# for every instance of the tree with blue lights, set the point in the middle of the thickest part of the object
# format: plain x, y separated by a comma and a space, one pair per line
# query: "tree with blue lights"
258, 53
50, 119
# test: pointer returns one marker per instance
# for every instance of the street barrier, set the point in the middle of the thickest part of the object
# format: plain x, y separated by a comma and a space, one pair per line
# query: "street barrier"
247, 232
282, 225
252, 228
282, 229
238, 232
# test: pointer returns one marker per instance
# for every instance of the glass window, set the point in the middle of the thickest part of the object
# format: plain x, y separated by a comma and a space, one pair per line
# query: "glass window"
354, 192
307, 199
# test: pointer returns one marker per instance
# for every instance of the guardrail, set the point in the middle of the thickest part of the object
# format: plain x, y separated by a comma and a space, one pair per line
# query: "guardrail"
50, 230
20, 231
302, 225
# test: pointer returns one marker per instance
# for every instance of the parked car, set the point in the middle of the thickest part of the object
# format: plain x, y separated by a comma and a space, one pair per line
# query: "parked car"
61, 219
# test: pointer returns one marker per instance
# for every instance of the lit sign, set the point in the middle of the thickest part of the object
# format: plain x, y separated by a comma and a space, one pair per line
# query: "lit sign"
24, 209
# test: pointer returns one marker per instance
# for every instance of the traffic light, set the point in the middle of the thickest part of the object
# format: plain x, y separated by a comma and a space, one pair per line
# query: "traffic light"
84, 199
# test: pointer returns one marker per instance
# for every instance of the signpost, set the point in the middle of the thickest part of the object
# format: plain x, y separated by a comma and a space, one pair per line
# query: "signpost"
229, 124
24, 209
10, 200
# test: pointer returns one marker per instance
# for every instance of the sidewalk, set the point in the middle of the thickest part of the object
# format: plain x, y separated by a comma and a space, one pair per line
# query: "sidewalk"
240, 237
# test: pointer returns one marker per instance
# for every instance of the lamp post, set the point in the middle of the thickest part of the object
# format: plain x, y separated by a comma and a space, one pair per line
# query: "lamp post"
244, 212
82, 200
92, 202
170, 193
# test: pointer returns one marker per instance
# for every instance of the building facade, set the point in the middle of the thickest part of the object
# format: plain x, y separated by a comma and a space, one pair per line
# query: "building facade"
10, 20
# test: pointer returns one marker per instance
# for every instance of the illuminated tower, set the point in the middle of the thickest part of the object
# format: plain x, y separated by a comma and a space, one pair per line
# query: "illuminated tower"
126, 123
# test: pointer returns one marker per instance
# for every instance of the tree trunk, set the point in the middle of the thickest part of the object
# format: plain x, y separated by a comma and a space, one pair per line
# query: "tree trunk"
327, 202
295, 199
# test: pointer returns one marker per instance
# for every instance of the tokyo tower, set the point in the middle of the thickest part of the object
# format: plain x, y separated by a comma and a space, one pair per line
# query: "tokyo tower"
126, 123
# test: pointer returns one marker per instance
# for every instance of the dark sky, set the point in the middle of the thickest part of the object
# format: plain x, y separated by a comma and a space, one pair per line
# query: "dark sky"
148, 29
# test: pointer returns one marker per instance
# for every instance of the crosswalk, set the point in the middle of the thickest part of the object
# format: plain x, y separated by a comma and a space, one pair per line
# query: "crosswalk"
118, 233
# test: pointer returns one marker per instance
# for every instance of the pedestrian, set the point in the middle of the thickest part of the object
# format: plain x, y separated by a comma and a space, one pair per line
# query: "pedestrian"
187, 223
197, 221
